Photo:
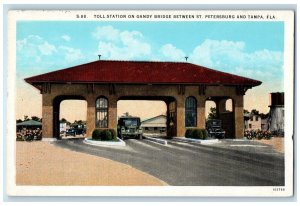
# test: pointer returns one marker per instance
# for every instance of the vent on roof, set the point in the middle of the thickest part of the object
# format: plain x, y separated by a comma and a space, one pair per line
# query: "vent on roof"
99, 55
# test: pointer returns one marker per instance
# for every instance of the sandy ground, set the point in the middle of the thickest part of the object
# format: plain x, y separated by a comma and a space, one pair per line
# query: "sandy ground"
276, 142
41, 163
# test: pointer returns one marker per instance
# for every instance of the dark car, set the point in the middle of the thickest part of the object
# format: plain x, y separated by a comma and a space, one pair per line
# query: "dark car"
129, 127
71, 132
214, 128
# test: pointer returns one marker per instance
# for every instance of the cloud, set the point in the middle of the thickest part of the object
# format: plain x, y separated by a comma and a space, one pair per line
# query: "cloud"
46, 48
172, 53
231, 56
33, 47
71, 54
213, 52
124, 45
66, 37
106, 33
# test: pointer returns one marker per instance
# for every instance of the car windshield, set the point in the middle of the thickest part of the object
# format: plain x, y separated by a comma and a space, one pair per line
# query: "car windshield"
214, 123
130, 122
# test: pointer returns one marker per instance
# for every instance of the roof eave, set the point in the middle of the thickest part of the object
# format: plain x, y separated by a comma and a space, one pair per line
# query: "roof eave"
257, 83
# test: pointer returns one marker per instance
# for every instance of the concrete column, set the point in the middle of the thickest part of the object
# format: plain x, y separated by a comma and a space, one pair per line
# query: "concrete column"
239, 116
47, 117
168, 119
112, 112
180, 110
201, 112
91, 115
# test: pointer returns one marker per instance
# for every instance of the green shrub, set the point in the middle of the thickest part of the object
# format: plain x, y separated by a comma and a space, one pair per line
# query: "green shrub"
20, 138
204, 133
196, 133
188, 133
104, 134
96, 134
113, 133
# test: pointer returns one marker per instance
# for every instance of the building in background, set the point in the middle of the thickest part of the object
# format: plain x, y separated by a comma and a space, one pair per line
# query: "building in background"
29, 124
63, 127
156, 124
252, 122
276, 115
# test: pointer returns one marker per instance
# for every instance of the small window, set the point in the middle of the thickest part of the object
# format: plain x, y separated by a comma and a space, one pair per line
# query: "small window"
256, 118
250, 126
102, 112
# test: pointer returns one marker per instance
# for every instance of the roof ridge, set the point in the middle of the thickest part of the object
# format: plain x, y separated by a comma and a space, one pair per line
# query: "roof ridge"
154, 117
112, 71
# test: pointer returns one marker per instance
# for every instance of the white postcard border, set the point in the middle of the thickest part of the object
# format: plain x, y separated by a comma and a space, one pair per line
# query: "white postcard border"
13, 189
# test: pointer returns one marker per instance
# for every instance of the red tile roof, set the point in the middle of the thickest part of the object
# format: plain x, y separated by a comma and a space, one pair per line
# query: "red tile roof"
103, 71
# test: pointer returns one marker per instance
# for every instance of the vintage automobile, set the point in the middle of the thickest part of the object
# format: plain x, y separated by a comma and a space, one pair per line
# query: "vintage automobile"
71, 132
214, 128
129, 127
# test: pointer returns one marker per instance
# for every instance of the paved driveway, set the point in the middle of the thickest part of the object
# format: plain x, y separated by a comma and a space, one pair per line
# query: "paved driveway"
187, 164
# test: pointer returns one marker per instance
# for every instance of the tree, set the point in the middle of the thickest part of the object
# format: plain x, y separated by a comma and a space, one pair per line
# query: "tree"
213, 113
254, 111
246, 111
35, 118
63, 120
19, 121
264, 116
78, 122
26, 118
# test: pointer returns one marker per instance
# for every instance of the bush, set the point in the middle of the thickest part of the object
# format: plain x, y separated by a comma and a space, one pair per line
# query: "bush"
20, 138
204, 133
196, 133
96, 134
104, 134
189, 133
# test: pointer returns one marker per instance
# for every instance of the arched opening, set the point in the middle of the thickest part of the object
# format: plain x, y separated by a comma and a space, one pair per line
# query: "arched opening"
190, 112
157, 114
221, 108
229, 105
210, 109
69, 116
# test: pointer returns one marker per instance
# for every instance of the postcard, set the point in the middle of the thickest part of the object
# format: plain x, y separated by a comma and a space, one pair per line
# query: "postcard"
150, 103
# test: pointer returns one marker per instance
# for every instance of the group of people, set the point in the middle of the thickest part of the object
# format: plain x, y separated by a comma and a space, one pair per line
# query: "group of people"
257, 134
28, 134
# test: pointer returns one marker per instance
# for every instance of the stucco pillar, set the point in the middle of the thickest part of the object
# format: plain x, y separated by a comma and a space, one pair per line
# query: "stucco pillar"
47, 117
112, 112
180, 110
201, 112
91, 116
239, 116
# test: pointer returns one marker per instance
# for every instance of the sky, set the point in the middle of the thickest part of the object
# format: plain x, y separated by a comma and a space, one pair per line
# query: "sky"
250, 49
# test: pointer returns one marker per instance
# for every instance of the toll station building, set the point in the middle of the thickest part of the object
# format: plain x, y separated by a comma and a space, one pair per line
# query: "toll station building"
184, 87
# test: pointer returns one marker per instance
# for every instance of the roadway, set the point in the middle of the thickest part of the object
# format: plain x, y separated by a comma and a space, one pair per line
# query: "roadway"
192, 164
